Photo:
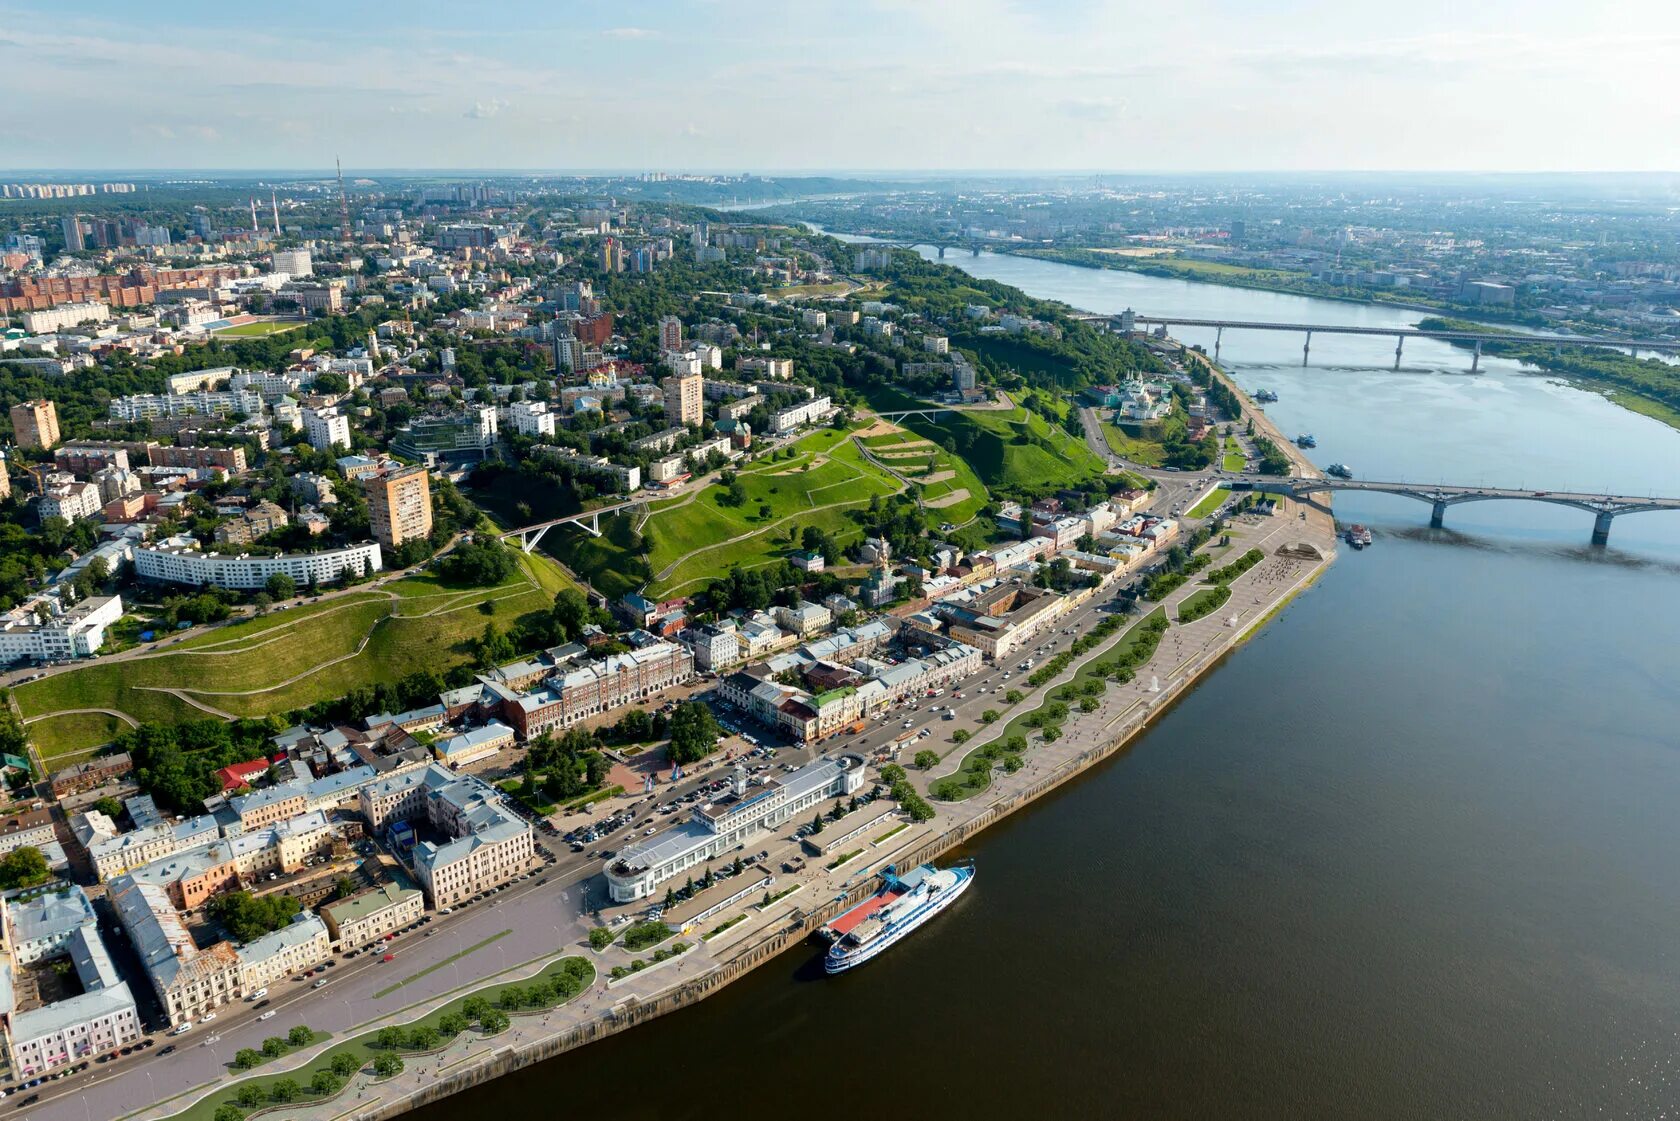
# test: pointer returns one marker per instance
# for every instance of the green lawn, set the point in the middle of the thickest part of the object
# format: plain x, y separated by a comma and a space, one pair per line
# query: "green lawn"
1203, 601
253, 658
364, 1048
1148, 453
1209, 504
259, 330
1235, 461
61, 735
976, 771
1006, 448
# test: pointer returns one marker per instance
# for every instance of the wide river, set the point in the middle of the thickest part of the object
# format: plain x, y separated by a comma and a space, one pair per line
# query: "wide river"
1412, 853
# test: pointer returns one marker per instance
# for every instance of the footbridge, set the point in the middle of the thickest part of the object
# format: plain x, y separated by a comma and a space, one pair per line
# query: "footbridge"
1604, 507
1129, 320
587, 520
931, 412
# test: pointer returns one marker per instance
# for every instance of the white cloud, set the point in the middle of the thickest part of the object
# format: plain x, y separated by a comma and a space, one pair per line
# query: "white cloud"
485, 109
629, 33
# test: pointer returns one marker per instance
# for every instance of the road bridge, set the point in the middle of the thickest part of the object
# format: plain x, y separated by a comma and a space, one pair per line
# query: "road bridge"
587, 520
1603, 507
1129, 320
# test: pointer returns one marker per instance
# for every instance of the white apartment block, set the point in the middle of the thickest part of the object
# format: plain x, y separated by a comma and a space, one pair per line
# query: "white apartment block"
151, 406
178, 561
71, 501
326, 429
798, 416
51, 319
302, 944
73, 632
293, 262
531, 418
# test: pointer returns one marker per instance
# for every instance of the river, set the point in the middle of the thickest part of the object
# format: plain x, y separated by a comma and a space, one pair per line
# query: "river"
1408, 854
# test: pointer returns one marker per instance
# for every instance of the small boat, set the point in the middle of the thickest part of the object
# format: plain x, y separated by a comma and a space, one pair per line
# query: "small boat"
898, 907
1307, 440
1340, 470
1358, 536
1265, 396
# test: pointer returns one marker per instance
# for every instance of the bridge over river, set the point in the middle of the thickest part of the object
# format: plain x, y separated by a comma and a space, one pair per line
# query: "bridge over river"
1129, 320
1603, 507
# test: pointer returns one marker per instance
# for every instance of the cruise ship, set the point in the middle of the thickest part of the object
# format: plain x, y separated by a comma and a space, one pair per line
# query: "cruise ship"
1358, 536
902, 904
1307, 440
1265, 396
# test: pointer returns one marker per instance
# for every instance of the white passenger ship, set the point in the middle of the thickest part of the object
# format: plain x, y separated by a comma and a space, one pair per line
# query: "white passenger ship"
901, 905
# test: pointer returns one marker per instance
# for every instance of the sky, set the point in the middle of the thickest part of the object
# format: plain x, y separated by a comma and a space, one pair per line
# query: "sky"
738, 85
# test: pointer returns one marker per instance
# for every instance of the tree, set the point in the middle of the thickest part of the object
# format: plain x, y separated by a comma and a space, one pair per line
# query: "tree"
389, 1038
283, 1090
817, 824
600, 938
248, 917
24, 866
1014, 697
300, 1036
110, 807
247, 1057
990, 716
227, 1111
387, 1065
324, 1084
474, 1007
494, 1021
926, 759
694, 732
280, 586
250, 1096
960, 735
423, 1038
452, 1023
274, 1047
344, 1064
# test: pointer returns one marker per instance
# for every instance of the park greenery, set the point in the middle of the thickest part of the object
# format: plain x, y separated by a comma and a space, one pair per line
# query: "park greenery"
1203, 603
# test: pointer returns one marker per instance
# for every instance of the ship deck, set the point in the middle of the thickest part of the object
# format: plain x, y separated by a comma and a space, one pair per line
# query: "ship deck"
845, 923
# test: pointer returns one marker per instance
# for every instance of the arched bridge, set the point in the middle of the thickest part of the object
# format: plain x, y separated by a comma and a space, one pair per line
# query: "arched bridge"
1603, 507
588, 520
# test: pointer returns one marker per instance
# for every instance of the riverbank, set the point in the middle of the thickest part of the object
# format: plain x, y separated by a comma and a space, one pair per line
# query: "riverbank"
1228, 276
1186, 653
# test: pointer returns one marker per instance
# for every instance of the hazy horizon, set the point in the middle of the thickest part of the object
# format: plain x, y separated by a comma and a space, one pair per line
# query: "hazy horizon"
1217, 86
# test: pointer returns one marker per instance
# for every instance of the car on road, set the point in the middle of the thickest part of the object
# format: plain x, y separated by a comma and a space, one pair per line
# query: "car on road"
319, 983
269, 1015
389, 957
207, 1017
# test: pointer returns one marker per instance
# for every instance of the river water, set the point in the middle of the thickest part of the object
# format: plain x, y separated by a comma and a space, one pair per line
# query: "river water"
1411, 853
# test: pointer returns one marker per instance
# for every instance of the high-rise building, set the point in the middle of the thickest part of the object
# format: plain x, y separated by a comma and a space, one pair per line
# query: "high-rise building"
35, 424
73, 240
685, 399
670, 333
326, 429
293, 262
399, 505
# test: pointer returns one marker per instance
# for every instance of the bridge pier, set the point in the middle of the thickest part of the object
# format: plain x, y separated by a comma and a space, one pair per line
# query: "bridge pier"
974, 251
941, 252
1601, 528
1476, 358
1218, 336
1436, 513
1399, 345
1306, 349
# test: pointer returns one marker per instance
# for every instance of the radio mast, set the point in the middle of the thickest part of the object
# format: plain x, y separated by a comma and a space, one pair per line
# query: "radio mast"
343, 199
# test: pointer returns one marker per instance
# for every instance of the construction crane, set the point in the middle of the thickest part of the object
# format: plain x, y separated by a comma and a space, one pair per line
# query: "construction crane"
343, 199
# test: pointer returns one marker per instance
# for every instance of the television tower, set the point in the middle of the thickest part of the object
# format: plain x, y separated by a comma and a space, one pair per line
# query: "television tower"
343, 199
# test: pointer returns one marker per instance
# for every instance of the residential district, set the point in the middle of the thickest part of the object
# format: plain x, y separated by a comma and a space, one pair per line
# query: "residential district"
376, 561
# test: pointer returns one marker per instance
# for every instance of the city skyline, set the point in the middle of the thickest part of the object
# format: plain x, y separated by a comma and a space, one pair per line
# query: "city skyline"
720, 86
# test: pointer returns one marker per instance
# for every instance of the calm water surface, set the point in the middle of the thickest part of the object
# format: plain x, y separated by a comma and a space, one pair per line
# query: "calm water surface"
1409, 854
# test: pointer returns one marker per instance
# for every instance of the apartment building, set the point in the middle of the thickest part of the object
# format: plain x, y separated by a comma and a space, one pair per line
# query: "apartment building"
35, 424
301, 944
326, 429
58, 921
148, 843
685, 399
179, 561
188, 981
489, 844
368, 916
565, 699
67, 632
399, 505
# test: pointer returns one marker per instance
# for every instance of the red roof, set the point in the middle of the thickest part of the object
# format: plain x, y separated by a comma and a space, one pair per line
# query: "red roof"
240, 774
